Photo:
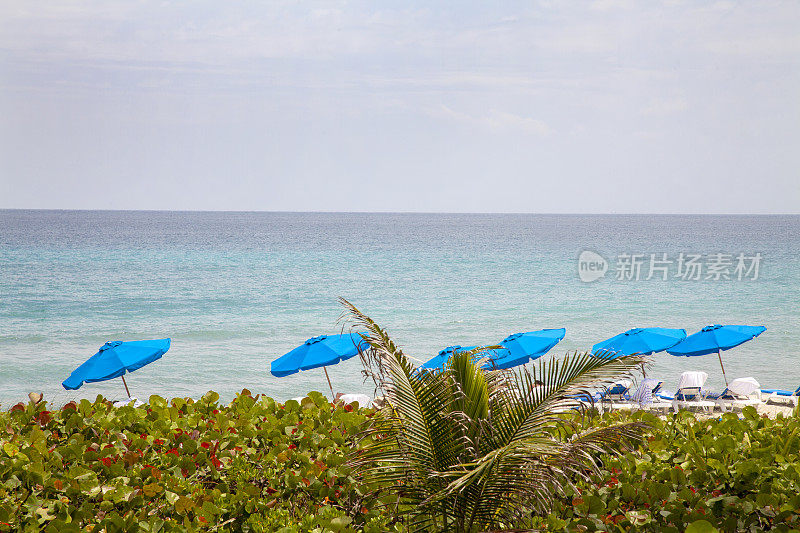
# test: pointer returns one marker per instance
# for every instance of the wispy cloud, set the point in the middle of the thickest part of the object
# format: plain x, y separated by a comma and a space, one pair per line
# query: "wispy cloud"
374, 89
495, 120
665, 106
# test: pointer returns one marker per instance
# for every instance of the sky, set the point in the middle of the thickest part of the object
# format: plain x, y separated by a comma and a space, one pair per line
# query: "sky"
606, 106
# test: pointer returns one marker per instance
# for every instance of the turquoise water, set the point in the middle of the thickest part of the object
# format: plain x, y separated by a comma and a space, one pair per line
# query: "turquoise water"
236, 290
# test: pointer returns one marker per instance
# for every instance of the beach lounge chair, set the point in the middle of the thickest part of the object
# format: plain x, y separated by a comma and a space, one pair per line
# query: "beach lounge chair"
589, 400
362, 399
617, 397
781, 397
690, 392
133, 402
739, 393
646, 397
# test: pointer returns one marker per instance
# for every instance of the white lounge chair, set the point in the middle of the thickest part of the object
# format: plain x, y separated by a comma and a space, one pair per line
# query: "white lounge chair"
645, 396
740, 393
690, 392
781, 397
133, 402
362, 399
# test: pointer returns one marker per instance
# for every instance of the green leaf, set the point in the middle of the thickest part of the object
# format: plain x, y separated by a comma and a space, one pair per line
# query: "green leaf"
339, 523
10, 449
151, 489
183, 505
701, 526
638, 518
171, 497
44, 514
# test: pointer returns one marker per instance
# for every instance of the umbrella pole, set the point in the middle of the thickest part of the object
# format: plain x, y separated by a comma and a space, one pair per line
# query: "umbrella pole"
719, 354
333, 396
126, 386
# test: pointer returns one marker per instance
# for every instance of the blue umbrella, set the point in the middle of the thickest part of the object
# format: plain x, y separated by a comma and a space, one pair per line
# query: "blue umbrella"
715, 339
517, 349
440, 359
318, 352
524, 347
114, 360
643, 341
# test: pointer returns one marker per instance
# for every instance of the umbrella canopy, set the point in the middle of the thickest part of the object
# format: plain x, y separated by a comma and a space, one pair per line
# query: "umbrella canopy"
318, 352
115, 359
524, 347
715, 339
440, 359
643, 341
517, 349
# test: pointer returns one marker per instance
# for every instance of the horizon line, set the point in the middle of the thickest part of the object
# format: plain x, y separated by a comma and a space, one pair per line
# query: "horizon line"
129, 210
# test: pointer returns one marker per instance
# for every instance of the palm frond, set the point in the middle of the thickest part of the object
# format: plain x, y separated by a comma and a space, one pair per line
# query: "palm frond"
467, 448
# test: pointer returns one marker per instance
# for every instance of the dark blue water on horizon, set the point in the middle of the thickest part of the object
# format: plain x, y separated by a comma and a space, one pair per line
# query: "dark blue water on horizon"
234, 290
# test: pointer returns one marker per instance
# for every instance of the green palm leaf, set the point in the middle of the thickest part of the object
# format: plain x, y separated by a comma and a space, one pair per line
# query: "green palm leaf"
465, 449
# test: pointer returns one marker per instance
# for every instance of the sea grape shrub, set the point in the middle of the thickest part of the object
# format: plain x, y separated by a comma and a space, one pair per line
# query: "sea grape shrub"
256, 465
737, 474
180, 465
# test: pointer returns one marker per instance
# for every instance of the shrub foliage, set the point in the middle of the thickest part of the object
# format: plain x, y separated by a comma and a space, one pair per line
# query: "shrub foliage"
736, 474
182, 465
256, 465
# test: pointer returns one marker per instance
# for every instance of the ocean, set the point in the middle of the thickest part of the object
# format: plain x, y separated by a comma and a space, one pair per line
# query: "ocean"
235, 290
